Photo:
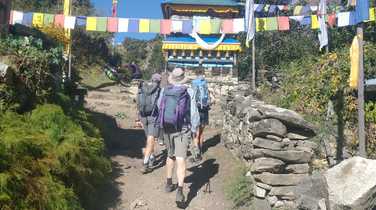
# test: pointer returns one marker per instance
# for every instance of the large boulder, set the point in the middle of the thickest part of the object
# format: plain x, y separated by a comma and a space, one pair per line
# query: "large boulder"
352, 184
311, 192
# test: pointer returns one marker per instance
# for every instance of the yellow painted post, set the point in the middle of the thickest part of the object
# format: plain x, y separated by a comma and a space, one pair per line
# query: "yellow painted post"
68, 54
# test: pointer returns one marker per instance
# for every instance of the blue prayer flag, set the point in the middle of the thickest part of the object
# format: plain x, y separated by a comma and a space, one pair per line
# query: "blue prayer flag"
306, 21
81, 21
133, 25
27, 19
361, 11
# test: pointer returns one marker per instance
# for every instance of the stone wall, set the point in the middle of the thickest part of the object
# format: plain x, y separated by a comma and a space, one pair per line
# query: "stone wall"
273, 141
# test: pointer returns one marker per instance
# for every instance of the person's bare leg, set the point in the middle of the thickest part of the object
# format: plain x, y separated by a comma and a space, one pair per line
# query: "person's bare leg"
201, 137
169, 170
149, 149
180, 171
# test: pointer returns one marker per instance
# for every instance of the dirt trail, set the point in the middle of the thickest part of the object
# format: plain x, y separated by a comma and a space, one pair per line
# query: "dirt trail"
114, 110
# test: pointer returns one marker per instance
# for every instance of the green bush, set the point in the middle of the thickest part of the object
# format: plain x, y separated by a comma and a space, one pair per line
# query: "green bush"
47, 161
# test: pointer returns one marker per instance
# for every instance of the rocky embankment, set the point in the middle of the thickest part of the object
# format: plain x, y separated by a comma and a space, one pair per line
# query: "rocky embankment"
275, 142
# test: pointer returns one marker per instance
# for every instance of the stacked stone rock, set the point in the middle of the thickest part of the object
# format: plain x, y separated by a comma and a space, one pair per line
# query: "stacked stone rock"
275, 142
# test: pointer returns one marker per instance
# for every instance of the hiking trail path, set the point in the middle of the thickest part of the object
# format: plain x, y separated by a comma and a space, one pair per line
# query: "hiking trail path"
114, 110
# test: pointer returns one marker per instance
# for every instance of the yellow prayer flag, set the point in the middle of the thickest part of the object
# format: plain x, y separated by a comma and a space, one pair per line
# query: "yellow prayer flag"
144, 26
205, 27
372, 16
260, 24
91, 23
355, 57
298, 10
38, 19
315, 22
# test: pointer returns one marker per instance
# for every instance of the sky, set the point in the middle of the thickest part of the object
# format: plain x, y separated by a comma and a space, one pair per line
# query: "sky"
131, 9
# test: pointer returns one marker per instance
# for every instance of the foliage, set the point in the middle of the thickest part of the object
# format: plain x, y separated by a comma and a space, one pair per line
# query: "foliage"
238, 189
309, 84
37, 71
47, 161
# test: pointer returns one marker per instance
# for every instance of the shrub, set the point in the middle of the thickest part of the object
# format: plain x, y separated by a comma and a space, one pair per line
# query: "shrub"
48, 162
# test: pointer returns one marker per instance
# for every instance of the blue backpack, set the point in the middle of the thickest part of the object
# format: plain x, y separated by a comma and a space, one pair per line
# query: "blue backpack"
200, 87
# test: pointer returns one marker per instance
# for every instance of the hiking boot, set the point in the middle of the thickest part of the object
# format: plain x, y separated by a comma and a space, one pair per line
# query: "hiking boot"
146, 169
180, 198
170, 187
196, 159
151, 163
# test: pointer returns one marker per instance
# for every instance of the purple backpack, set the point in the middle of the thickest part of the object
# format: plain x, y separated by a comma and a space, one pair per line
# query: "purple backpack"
174, 108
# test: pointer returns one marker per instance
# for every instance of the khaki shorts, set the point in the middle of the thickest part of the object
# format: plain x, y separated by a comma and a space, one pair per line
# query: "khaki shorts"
177, 143
150, 126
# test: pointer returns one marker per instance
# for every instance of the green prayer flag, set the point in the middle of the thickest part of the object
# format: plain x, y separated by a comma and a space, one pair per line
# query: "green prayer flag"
215, 26
271, 24
102, 24
49, 19
155, 26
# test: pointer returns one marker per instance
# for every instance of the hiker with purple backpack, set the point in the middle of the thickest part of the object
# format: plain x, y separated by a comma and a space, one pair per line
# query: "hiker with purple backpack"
178, 119
149, 94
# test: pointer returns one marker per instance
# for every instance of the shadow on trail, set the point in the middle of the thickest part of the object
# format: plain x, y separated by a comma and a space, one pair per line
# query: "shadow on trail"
118, 141
212, 142
201, 175
126, 142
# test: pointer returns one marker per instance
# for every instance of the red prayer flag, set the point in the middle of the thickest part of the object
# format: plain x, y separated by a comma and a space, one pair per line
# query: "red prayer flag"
332, 20
283, 23
228, 26
59, 21
112, 24
166, 26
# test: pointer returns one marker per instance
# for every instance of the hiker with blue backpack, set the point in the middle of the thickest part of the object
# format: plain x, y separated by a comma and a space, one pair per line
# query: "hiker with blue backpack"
178, 119
202, 101
149, 93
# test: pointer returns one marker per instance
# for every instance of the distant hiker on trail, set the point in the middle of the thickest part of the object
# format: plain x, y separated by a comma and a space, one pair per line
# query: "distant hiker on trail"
178, 120
202, 101
147, 100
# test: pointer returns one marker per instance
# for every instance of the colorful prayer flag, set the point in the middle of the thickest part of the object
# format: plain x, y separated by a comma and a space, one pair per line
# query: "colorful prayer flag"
17, 17
59, 20
187, 26
48, 19
123, 25
204, 26
283, 23
371, 14
133, 25
361, 11
81, 21
102, 24
228, 26
165, 27
298, 10
271, 24
177, 26
355, 58
27, 19
144, 26
260, 24
155, 26
69, 22
112, 24
332, 19
91, 24
239, 25
314, 22
306, 21
215, 26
